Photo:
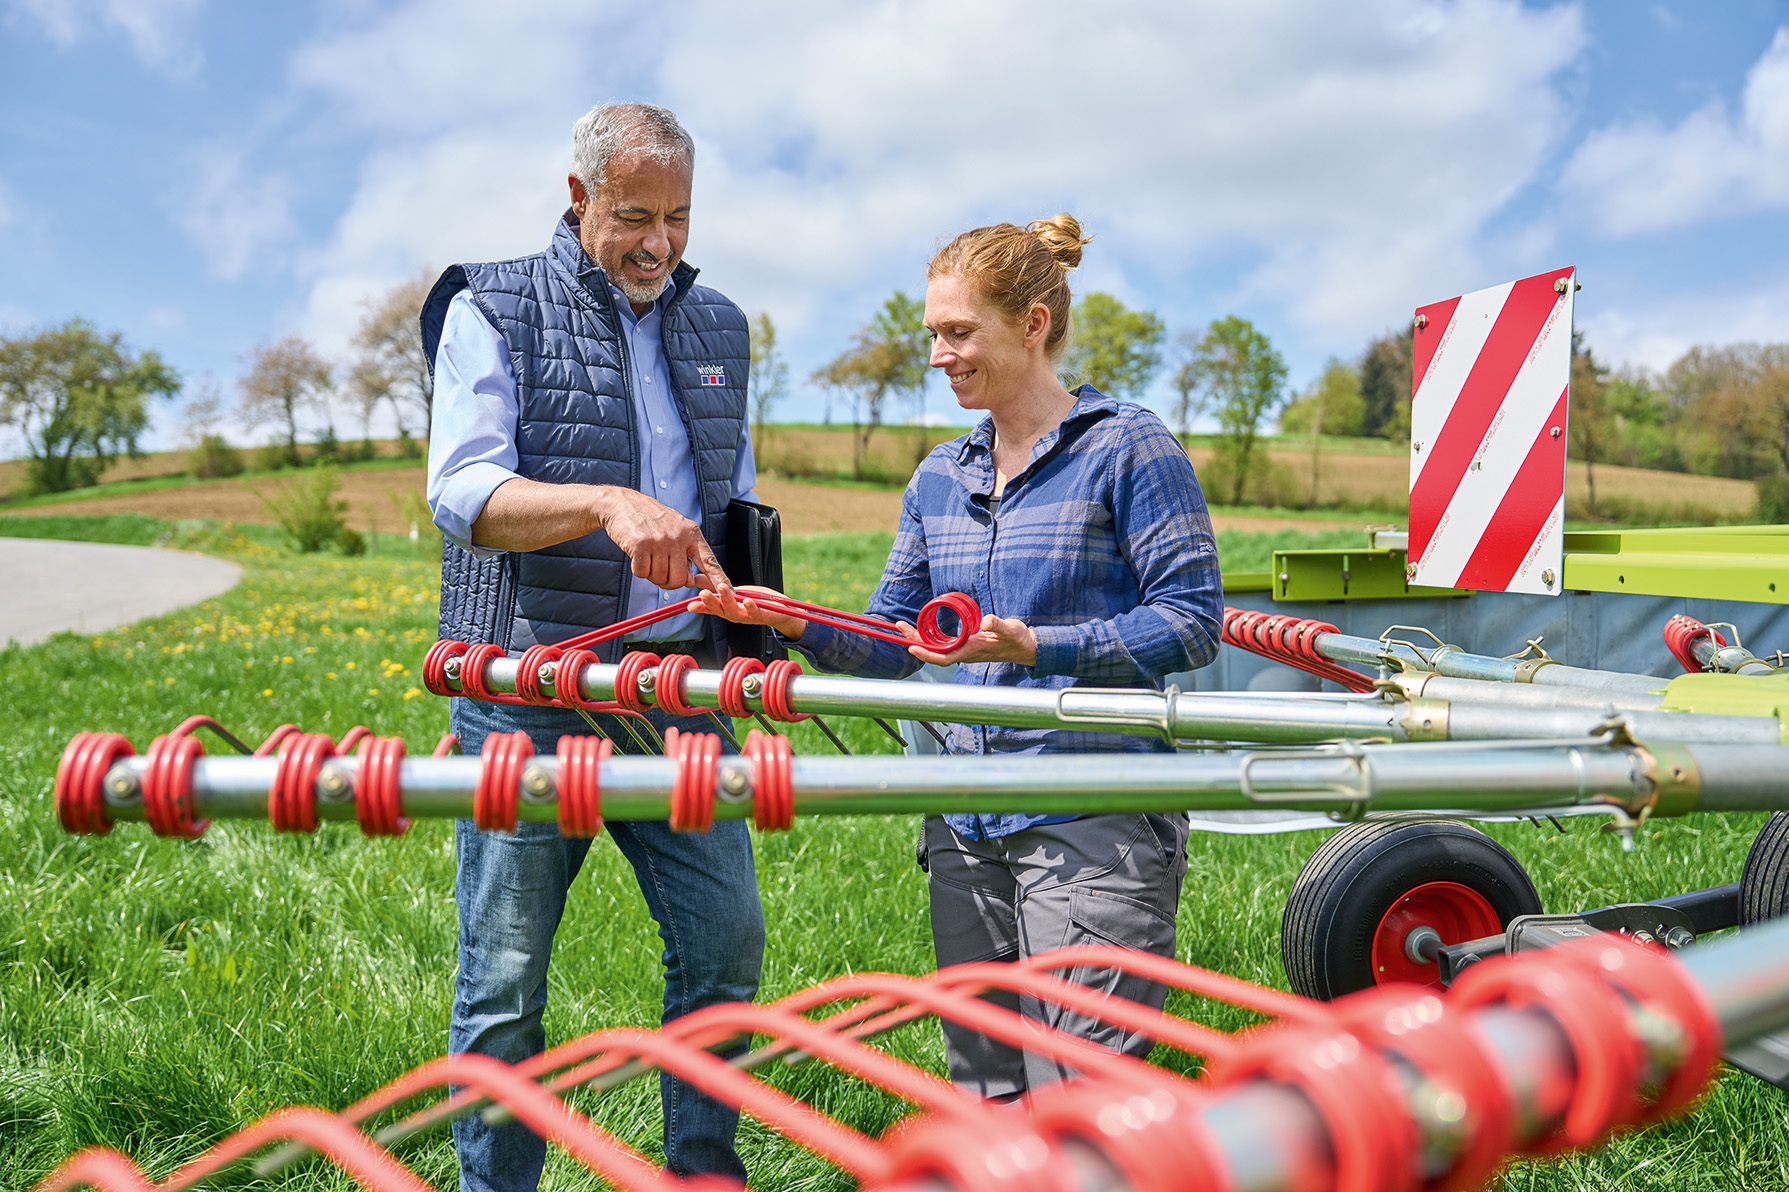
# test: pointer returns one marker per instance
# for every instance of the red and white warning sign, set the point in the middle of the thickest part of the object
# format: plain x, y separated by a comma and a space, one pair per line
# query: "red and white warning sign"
1487, 437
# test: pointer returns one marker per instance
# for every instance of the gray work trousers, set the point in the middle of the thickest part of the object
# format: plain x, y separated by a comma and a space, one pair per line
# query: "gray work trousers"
1102, 879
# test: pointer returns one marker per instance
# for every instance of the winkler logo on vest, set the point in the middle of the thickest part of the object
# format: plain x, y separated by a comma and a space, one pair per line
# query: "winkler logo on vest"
712, 374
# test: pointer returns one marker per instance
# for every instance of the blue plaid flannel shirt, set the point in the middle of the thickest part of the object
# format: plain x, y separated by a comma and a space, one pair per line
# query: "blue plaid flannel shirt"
1102, 545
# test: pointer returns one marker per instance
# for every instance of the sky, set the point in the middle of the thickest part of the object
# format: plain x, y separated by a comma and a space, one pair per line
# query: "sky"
205, 177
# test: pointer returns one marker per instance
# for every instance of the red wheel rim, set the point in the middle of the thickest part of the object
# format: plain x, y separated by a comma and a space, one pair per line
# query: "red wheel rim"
1455, 912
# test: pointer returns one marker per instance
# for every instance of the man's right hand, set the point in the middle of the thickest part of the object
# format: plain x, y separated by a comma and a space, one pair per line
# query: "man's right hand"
666, 548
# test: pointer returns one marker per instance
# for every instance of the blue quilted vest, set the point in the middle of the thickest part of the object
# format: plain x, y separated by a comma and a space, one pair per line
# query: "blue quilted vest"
576, 425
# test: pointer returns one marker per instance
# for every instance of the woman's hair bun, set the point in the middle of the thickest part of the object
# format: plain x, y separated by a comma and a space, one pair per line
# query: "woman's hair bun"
1061, 235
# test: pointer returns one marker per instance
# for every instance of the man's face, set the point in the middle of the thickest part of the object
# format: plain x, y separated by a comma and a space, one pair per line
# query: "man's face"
636, 225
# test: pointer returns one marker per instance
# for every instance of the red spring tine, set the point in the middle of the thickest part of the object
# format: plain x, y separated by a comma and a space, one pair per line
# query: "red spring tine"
80, 781
292, 799
667, 688
472, 674
1157, 1139
1355, 1090
993, 1156
500, 780
580, 783
627, 679
167, 786
695, 756
528, 668
447, 746
932, 634
565, 677
1443, 1044
434, 665
773, 794
733, 677
378, 794
777, 677
1594, 1018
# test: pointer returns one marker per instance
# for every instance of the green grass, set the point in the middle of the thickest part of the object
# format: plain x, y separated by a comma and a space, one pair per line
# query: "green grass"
155, 996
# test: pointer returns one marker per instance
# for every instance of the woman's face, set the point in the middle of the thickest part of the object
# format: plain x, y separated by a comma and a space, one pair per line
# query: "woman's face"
986, 358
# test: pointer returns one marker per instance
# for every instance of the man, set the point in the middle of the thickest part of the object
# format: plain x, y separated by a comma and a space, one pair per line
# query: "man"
589, 432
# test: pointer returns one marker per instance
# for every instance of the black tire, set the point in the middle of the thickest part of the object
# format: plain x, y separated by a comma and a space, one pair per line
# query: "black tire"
1348, 885
1764, 882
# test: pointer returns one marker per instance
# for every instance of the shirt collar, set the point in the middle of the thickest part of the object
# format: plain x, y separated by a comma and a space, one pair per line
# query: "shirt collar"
1090, 404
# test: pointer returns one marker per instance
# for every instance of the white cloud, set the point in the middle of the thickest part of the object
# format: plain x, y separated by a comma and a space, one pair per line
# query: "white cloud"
1641, 177
239, 222
1653, 330
1350, 156
160, 32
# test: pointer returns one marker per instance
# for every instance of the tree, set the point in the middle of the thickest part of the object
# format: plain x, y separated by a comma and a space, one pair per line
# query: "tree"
79, 398
1385, 381
1332, 405
888, 356
285, 379
391, 365
767, 378
1113, 348
1588, 417
1241, 377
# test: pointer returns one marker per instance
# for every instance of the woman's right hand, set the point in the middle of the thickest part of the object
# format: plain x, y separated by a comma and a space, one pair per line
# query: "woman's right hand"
736, 604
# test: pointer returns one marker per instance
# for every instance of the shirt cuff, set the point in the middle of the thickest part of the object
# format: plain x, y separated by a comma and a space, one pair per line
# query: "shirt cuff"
1058, 649
462, 498
818, 641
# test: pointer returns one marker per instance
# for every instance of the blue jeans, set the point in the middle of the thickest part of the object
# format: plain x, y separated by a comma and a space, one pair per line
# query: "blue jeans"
510, 890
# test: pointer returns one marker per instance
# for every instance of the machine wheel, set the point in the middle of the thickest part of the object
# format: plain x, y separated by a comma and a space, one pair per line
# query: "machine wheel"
1373, 889
1764, 882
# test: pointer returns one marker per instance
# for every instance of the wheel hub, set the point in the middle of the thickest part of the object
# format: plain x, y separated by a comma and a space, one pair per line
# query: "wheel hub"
1425, 918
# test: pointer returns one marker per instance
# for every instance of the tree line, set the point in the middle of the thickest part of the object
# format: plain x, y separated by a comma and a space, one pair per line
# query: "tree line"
80, 398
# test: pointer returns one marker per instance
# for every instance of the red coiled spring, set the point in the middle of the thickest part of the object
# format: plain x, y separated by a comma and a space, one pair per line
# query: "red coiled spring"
168, 778
571, 664
528, 668
667, 687
378, 797
733, 677
472, 674
80, 781
580, 783
1681, 635
773, 787
775, 698
692, 782
627, 679
500, 781
933, 636
1291, 640
292, 799
434, 665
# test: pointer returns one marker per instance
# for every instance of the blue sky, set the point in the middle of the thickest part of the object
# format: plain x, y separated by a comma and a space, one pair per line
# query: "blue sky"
204, 177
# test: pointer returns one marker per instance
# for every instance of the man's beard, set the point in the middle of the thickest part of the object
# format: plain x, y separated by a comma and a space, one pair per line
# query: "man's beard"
642, 292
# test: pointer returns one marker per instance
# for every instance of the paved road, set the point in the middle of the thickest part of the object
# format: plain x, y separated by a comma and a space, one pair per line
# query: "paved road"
47, 585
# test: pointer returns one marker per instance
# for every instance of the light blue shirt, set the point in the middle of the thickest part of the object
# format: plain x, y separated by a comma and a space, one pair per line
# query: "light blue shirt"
472, 438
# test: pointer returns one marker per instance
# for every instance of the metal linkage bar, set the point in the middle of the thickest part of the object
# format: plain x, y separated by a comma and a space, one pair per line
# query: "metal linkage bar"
1443, 659
1477, 713
1700, 648
694, 784
1391, 1089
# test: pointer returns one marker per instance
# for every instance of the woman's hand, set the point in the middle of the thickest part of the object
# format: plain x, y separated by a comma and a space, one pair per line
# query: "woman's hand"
736, 604
1000, 639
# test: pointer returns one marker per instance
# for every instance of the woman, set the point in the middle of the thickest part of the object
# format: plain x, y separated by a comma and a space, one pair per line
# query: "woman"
1076, 523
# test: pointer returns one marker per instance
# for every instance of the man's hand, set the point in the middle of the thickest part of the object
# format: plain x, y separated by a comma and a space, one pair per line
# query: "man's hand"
666, 548
1000, 639
737, 605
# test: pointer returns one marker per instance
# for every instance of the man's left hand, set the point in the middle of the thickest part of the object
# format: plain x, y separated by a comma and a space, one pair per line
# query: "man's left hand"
1000, 639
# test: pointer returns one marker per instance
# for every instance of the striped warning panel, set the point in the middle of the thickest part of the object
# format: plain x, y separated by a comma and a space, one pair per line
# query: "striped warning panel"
1487, 437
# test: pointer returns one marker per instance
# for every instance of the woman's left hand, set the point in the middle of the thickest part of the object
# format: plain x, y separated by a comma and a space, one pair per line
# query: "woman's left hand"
1000, 639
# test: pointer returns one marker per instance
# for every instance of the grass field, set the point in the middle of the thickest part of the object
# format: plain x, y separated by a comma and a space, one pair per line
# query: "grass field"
155, 996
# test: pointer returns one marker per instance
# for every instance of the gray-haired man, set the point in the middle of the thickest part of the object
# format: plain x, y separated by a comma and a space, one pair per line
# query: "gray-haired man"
589, 431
